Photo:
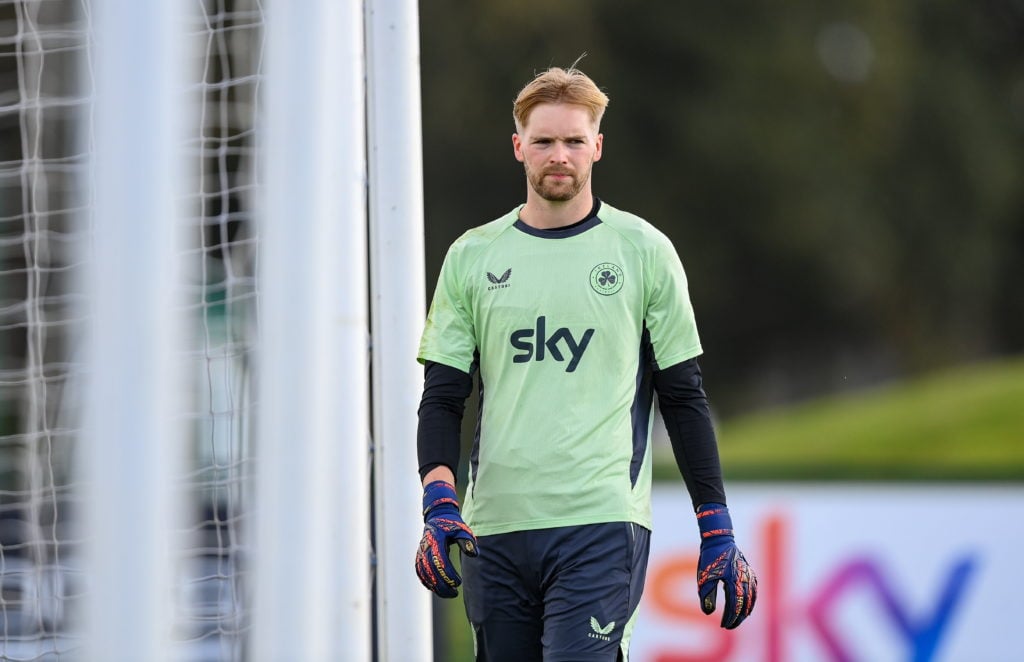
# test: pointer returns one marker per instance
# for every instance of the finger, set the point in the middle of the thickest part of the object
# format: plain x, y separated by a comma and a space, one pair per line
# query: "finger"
448, 578
731, 608
445, 591
749, 589
709, 596
423, 572
436, 570
753, 592
468, 546
444, 581
738, 599
421, 562
750, 592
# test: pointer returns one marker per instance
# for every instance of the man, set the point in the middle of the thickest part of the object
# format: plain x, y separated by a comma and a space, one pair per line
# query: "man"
572, 314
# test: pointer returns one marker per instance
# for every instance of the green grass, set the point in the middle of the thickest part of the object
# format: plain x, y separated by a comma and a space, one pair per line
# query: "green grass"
962, 424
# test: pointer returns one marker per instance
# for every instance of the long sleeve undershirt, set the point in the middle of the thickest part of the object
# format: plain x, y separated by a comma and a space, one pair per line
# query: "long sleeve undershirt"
445, 390
684, 406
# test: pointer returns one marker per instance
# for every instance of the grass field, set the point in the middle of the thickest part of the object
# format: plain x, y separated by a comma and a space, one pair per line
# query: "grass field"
965, 424
961, 424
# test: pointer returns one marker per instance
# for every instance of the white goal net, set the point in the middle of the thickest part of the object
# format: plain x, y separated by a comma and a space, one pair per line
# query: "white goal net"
214, 602
42, 199
93, 504
45, 111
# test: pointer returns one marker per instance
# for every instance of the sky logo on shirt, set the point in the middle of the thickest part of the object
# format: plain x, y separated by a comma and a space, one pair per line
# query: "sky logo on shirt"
534, 344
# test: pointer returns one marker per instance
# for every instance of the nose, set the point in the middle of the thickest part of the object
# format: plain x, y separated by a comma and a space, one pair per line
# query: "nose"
559, 154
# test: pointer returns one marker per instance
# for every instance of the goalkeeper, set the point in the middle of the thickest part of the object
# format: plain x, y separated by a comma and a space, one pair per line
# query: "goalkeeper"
571, 314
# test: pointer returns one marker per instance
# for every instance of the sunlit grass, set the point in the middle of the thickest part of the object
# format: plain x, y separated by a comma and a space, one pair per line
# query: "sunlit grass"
962, 424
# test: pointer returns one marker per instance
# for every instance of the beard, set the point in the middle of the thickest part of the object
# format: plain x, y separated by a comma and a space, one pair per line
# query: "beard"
557, 190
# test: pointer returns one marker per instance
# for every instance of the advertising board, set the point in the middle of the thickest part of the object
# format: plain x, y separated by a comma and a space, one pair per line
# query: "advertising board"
847, 573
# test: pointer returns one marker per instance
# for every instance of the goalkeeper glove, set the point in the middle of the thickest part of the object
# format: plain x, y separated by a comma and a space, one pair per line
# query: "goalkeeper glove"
721, 561
443, 527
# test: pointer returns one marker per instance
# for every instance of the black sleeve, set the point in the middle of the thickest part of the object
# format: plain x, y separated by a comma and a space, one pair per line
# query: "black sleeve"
684, 406
445, 390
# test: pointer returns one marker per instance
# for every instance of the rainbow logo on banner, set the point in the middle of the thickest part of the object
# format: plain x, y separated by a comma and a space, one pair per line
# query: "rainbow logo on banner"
809, 621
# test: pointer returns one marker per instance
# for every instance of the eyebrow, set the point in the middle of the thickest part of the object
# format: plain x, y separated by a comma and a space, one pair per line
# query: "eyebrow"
576, 136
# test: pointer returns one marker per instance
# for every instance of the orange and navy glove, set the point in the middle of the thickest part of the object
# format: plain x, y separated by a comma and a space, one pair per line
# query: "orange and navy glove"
443, 527
721, 561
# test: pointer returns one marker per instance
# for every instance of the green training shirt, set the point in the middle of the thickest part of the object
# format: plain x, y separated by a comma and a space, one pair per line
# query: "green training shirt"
565, 327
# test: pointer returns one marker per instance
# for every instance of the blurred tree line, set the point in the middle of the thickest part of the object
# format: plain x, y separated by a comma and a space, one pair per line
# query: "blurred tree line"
843, 180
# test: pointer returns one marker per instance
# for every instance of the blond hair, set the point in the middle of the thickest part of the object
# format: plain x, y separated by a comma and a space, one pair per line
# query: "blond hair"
557, 85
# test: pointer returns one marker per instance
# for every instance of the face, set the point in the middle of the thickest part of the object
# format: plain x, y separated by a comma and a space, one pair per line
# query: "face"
558, 148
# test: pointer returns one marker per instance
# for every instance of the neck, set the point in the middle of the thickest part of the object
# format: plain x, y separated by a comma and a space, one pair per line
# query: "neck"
547, 215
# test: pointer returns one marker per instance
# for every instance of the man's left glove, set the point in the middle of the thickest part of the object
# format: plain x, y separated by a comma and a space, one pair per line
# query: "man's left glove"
443, 527
721, 561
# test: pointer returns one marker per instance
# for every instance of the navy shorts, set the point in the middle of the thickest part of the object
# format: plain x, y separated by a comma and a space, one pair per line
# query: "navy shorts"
566, 594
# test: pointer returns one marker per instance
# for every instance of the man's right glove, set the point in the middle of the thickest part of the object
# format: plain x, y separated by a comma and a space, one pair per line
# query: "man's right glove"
443, 526
721, 560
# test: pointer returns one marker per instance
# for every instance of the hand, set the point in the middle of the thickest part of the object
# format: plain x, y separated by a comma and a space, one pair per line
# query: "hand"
721, 561
443, 527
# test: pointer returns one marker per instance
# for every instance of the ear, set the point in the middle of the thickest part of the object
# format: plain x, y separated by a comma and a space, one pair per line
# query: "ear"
517, 147
598, 143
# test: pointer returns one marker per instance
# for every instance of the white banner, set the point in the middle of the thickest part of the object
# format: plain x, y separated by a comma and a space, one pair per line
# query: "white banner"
847, 573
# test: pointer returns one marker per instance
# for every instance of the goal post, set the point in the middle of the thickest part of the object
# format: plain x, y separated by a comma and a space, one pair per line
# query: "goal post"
398, 307
133, 414
312, 551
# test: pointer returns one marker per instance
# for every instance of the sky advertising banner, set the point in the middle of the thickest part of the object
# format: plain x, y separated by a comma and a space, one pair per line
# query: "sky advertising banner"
847, 573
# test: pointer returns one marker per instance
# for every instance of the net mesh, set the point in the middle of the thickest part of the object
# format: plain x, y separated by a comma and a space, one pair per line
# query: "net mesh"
214, 603
45, 111
41, 200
